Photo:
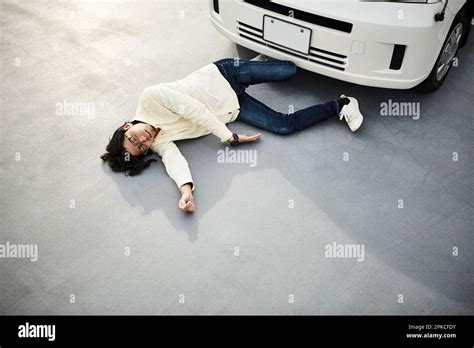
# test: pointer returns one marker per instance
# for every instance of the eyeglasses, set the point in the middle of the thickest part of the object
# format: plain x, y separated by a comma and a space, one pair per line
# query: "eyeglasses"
135, 142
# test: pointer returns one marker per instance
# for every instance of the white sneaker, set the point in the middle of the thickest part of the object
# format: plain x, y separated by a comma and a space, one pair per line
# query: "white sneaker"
351, 113
260, 58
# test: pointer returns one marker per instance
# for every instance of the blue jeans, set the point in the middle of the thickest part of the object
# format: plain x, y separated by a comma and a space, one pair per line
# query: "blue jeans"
242, 73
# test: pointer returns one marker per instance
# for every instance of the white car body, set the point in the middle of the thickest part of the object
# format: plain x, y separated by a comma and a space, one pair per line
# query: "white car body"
367, 42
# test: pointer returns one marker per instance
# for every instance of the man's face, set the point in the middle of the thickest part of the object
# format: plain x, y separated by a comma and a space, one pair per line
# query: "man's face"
142, 134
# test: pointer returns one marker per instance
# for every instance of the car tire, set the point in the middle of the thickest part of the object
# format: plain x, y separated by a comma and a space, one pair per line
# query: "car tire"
433, 81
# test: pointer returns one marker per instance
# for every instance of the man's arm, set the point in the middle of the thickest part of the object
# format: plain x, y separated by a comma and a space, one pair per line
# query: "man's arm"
192, 110
178, 169
175, 164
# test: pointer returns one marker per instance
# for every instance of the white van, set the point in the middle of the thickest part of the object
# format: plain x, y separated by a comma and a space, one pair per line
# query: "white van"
392, 44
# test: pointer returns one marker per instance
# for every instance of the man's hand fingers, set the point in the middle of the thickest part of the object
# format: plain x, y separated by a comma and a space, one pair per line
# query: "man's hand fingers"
256, 136
186, 206
182, 204
189, 207
249, 138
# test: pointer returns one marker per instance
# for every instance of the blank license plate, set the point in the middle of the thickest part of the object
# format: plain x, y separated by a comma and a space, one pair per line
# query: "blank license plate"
286, 34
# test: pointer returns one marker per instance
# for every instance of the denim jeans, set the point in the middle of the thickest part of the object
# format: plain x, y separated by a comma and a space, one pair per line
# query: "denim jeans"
242, 73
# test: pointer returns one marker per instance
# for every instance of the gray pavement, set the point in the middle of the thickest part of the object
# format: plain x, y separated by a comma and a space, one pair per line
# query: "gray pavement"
72, 72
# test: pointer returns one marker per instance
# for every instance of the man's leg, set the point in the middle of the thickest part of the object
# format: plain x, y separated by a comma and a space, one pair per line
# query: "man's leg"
242, 73
254, 72
259, 115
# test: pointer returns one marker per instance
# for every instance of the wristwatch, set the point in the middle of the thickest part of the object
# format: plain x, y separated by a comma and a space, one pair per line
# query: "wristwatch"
235, 142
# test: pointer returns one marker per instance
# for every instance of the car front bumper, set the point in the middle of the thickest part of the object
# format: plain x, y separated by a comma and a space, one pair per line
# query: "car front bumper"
390, 45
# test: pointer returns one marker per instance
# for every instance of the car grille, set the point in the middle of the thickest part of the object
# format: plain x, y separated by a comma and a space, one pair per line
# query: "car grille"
316, 55
302, 15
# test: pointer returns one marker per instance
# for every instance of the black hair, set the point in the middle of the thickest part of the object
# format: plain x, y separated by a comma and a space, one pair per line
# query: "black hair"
121, 160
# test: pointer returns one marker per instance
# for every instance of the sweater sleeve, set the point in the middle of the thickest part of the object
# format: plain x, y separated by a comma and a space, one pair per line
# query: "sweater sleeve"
192, 110
175, 163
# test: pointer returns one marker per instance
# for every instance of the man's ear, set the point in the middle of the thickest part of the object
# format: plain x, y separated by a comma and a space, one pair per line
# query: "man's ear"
127, 125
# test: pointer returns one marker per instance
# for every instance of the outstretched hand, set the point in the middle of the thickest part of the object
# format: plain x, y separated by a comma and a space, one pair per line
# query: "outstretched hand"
245, 138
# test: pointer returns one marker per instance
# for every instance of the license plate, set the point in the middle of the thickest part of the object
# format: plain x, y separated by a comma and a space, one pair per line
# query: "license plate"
286, 34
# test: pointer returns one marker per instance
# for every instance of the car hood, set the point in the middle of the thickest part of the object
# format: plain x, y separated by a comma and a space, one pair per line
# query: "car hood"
358, 10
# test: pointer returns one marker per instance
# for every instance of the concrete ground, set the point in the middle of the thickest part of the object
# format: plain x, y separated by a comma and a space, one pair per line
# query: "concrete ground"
72, 72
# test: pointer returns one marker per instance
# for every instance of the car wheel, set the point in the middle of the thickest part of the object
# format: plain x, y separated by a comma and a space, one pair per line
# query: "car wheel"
448, 52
